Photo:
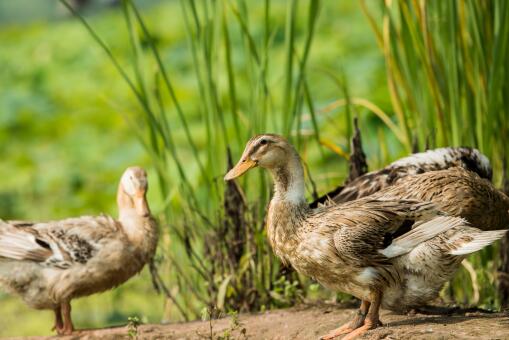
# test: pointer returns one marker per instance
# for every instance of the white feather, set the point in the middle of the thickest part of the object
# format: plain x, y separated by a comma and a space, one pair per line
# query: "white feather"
442, 156
480, 241
421, 233
367, 275
436, 156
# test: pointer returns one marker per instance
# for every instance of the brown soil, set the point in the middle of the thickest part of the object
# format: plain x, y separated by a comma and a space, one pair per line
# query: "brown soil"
309, 322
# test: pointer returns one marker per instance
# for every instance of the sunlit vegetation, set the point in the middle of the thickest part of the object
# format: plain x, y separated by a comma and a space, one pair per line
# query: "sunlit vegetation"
174, 85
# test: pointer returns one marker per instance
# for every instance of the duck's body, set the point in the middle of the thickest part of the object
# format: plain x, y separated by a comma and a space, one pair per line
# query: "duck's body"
432, 160
388, 251
339, 246
49, 264
62, 260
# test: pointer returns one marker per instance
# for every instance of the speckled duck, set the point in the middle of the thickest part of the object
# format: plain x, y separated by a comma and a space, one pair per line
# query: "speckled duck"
49, 264
388, 252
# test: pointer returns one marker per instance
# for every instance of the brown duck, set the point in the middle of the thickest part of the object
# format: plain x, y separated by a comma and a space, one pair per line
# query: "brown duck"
50, 263
378, 250
458, 192
457, 180
432, 160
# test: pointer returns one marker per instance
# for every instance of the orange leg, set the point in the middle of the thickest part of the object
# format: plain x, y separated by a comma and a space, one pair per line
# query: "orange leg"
357, 321
68, 326
372, 321
59, 324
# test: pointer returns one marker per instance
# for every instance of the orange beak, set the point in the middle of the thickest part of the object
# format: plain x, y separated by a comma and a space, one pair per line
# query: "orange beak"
238, 170
141, 205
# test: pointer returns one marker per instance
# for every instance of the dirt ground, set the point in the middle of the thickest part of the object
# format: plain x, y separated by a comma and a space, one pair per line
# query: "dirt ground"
309, 322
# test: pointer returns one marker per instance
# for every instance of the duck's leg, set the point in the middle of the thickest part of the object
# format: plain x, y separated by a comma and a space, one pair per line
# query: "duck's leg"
68, 326
372, 320
356, 322
59, 324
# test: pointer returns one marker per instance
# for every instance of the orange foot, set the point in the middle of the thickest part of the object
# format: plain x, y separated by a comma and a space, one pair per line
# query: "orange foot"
345, 329
351, 331
368, 324
356, 322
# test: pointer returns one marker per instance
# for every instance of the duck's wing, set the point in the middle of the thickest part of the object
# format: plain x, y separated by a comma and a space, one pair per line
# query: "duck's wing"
371, 232
432, 160
58, 244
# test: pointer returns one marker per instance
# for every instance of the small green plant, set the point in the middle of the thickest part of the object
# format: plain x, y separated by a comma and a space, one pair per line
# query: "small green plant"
132, 326
286, 293
209, 314
235, 324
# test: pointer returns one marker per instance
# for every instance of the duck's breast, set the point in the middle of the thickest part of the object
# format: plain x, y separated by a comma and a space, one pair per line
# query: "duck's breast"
317, 257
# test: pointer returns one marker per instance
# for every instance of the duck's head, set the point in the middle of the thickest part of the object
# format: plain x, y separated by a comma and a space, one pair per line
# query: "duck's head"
267, 151
132, 191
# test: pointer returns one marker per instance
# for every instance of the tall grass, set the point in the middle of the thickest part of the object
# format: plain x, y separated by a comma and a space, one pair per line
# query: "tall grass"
447, 73
446, 70
217, 255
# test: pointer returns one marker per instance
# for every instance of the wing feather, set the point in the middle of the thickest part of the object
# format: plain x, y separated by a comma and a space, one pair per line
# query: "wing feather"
362, 233
21, 245
56, 243
421, 233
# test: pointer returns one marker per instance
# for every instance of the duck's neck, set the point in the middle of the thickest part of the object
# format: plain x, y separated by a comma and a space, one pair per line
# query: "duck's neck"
289, 182
287, 210
140, 230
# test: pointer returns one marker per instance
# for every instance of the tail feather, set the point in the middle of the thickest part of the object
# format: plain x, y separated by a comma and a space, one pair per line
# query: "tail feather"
480, 241
421, 233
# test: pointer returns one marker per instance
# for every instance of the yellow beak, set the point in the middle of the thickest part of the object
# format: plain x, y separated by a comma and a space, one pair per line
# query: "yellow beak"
238, 170
140, 204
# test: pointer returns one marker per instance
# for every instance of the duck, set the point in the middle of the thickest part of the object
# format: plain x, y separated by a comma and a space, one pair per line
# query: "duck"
380, 250
470, 159
48, 264
458, 181
458, 192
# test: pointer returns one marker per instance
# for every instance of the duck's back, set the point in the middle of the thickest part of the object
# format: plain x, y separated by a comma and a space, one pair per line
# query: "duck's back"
459, 193
419, 163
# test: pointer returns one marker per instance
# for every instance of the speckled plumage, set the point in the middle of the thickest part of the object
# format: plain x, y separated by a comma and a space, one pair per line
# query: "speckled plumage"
66, 259
335, 244
385, 250
49, 264
432, 160
459, 193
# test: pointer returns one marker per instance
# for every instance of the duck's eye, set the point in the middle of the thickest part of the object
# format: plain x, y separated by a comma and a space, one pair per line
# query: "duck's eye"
263, 142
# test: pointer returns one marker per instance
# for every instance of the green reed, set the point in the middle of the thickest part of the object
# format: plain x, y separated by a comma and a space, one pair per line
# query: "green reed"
447, 73
196, 212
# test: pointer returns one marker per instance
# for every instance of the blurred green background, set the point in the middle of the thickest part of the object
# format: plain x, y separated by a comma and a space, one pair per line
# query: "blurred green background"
64, 141
65, 137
